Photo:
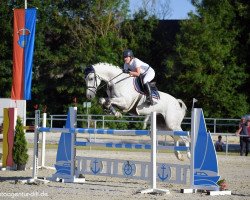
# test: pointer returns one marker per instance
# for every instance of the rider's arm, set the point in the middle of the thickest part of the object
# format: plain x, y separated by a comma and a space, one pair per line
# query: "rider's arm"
136, 72
125, 67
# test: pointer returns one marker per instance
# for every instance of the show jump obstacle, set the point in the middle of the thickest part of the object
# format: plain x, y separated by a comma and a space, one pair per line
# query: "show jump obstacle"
203, 166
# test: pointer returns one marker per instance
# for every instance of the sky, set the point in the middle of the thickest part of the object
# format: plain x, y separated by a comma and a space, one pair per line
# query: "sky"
179, 8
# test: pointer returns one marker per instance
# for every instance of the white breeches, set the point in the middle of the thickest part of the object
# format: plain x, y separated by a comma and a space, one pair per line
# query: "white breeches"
150, 74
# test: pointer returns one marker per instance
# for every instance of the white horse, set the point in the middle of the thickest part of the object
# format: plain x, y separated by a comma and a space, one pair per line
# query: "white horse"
123, 95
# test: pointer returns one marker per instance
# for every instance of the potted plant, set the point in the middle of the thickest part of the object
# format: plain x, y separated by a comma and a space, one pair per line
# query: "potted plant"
223, 184
20, 149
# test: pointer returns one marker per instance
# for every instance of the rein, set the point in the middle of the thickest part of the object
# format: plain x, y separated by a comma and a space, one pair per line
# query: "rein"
96, 76
110, 81
115, 77
122, 80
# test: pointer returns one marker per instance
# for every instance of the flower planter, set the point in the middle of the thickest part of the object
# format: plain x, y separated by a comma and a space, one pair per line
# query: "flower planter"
20, 167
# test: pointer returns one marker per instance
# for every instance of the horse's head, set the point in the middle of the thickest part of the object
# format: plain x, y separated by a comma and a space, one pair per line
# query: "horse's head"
92, 81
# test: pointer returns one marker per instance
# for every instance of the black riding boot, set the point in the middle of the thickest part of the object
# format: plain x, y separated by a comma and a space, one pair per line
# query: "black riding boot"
148, 93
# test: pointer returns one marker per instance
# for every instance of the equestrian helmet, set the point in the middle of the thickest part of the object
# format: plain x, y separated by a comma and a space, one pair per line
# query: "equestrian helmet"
128, 53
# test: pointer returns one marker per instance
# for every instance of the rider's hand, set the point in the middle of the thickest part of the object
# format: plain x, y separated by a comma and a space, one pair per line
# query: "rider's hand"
125, 71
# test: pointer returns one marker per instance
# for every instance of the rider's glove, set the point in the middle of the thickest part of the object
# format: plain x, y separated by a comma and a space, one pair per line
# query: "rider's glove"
125, 71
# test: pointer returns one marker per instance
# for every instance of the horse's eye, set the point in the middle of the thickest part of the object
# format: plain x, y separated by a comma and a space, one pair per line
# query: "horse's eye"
91, 79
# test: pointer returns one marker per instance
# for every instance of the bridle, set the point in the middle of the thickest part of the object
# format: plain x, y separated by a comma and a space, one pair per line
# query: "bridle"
94, 88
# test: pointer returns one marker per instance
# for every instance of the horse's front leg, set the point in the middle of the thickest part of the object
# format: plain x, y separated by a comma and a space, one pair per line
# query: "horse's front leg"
109, 102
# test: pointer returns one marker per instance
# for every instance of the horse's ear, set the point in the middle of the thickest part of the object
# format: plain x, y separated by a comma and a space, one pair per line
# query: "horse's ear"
89, 69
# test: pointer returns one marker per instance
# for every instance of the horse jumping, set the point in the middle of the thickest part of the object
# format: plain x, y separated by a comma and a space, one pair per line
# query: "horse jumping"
122, 94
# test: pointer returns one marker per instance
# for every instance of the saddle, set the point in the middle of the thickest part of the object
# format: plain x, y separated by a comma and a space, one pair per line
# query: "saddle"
139, 87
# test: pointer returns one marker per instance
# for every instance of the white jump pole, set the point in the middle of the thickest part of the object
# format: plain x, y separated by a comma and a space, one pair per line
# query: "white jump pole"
25, 4
36, 143
153, 167
35, 153
43, 147
194, 131
43, 142
73, 121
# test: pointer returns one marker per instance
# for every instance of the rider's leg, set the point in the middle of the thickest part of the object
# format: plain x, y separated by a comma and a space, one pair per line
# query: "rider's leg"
148, 93
147, 78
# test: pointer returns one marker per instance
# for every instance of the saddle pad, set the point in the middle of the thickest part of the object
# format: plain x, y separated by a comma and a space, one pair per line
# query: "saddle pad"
139, 88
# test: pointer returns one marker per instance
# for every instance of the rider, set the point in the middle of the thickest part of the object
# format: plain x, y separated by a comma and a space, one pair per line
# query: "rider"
136, 67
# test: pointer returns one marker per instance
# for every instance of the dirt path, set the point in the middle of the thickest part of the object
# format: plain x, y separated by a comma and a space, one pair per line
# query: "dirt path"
235, 169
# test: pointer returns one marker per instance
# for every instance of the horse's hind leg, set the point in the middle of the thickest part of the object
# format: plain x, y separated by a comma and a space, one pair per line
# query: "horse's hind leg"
145, 121
185, 139
175, 126
178, 154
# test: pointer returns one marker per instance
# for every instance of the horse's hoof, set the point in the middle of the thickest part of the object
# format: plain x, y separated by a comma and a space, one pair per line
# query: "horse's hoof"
102, 101
107, 103
179, 156
118, 114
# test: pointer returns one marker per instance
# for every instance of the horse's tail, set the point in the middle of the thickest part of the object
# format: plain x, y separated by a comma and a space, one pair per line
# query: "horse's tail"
183, 107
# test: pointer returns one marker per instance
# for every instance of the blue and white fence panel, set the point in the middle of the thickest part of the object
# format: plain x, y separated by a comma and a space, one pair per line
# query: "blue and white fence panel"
166, 172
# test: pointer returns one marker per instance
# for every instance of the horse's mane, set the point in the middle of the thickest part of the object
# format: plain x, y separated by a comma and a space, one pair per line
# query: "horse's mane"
106, 64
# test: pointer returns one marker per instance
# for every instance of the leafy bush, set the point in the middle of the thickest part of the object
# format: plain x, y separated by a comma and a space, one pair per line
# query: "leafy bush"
20, 149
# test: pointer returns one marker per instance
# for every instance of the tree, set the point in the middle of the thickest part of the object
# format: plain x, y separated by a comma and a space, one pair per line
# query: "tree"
6, 21
20, 149
243, 48
159, 8
139, 33
206, 65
